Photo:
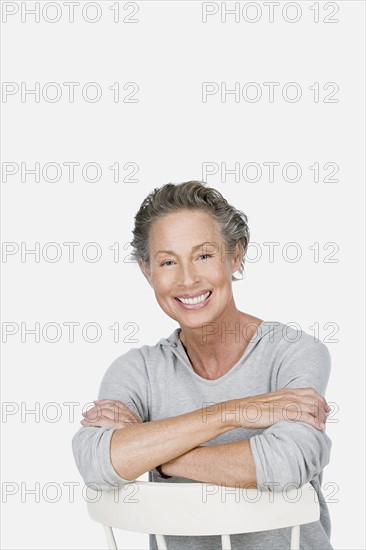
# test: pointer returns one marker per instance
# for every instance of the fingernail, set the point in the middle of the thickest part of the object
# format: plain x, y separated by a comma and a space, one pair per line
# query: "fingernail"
322, 426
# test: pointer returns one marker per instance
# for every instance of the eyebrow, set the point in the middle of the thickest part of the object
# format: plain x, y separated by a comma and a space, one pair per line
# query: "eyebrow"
193, 248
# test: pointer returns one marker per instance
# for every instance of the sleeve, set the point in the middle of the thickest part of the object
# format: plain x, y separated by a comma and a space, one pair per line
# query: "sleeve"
293, 453
125, 380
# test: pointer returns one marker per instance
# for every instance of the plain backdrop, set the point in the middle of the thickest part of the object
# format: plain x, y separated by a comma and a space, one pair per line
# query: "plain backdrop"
166, 136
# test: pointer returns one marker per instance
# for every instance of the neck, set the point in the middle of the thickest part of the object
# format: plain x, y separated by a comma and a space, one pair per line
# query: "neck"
215, 347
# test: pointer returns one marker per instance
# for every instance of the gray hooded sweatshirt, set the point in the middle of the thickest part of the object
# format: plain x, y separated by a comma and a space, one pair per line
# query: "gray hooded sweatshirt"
158, 382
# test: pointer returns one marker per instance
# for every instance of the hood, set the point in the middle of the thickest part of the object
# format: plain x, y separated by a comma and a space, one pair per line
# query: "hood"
174, 343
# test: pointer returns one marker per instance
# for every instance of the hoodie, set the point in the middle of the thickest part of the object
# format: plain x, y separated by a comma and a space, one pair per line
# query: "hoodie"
159, 381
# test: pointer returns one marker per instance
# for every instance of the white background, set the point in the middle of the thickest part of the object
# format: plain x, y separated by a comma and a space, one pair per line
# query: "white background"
170, 132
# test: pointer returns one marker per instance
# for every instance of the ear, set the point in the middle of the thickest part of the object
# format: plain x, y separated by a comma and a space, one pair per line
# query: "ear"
144, 266
237, 257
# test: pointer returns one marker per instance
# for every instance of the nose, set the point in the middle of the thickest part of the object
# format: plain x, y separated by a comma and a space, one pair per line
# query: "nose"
188, 275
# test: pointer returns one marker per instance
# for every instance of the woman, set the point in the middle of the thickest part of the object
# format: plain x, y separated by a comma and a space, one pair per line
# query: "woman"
227, 398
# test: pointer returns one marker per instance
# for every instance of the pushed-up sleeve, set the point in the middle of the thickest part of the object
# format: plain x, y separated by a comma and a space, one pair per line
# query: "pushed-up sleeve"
289, 454
125, 380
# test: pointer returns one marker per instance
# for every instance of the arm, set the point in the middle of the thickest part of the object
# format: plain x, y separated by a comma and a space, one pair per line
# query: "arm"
228, 464
125, 380
107, 455
287, 452
142, 447
147, 445
294, 452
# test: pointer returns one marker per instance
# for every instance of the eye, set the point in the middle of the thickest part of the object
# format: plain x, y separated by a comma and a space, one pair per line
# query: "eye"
170, 262
205, 256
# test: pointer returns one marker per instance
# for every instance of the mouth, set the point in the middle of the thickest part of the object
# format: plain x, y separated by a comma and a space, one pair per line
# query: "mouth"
195, 301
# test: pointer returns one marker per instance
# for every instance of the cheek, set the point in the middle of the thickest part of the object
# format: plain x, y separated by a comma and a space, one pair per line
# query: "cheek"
162, 282
220, 272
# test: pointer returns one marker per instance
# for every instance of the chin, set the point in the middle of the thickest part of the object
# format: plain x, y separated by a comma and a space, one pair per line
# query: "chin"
196, 323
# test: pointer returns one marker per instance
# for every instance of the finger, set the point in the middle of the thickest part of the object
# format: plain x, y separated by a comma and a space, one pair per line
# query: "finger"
318, 397
307, 403
310, 392
316, 415
106, 423
115, 410
131, 415
118, 416
108, 405
102, 421
113, 404
99, 424
113, 413
316, 410
96, 413
309, 419
296, 410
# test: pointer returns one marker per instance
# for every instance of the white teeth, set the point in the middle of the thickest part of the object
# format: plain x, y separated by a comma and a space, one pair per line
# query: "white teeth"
196, 300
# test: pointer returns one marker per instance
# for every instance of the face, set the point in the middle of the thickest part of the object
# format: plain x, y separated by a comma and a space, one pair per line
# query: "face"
190, 268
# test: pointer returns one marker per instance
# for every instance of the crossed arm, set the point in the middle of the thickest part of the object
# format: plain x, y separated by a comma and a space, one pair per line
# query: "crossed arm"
284, 451
231, 464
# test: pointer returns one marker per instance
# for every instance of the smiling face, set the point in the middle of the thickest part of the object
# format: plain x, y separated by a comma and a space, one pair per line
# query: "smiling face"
190, 269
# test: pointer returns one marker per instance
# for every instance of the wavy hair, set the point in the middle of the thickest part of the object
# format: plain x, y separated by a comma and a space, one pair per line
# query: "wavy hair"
189, 195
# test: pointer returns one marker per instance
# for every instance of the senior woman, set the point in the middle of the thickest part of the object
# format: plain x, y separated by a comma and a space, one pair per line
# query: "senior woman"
227, 398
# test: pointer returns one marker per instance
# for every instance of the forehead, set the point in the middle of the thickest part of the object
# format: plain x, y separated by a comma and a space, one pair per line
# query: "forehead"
184, 226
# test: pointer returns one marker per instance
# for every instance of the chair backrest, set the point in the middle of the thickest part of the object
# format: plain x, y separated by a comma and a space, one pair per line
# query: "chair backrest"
191, 509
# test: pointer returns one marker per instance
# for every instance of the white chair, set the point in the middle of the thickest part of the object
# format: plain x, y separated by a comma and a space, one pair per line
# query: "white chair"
194, 509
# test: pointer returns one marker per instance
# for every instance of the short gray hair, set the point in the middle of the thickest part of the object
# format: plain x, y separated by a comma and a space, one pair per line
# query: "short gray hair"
171, 198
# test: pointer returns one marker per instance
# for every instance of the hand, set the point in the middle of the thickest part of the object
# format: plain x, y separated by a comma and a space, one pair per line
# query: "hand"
292, 404
108, 413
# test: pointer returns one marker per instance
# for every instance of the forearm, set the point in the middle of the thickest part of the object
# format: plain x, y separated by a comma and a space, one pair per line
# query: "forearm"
141, 447
230, 464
